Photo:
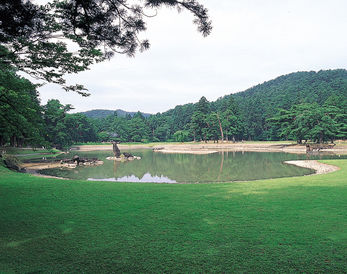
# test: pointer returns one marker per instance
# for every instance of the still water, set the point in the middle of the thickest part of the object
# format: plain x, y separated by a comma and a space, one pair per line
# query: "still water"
185, 168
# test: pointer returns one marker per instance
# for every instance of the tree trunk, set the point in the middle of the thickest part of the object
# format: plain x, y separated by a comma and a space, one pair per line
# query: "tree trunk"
20, 142
13, 141
220, 128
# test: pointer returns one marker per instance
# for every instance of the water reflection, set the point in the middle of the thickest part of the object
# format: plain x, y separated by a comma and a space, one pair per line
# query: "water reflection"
147, 178
188, 168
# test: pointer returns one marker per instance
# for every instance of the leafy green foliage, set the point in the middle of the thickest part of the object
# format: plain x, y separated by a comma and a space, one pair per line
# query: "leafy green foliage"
181, 136
63, 129
54, 116
20, 111
262, 102
311, 122
11, 162
103, 113
246, 115
199, 125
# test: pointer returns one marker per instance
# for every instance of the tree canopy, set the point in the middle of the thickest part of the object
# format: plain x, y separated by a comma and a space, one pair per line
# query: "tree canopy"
300, 106
48, 41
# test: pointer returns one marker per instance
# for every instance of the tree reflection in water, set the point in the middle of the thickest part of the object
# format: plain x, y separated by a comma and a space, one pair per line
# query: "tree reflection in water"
223, 166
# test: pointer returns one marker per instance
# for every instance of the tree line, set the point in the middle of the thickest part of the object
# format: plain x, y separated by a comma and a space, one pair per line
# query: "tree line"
300, 106
24, 121
301, 122
271, 111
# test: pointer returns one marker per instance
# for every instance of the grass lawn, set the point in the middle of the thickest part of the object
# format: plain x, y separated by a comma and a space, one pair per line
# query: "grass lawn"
24, 151
281, 225
29, 153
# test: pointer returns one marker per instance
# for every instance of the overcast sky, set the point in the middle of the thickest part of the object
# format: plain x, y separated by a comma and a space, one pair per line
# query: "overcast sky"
252, 41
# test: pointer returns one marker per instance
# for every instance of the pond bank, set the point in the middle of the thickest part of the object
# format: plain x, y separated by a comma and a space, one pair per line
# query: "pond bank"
318, 167
206, 148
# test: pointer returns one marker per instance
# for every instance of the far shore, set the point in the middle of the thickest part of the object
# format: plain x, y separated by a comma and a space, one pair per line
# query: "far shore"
207, 148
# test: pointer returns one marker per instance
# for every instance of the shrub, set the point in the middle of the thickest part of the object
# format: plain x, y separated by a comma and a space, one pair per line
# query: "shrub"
11, 162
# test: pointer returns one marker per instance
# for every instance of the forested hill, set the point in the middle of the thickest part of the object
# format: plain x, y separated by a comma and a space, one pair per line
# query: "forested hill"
103, 113
298, 106
260, 102
247, 115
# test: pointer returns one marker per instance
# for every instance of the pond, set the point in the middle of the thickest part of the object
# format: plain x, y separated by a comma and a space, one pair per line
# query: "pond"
186, 168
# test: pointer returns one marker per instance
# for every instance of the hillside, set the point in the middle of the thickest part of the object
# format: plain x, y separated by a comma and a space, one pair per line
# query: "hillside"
103, 113
251, 110
262, 101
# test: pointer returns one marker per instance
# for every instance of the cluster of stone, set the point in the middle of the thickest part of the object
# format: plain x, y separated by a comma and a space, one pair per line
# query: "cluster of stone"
77, 161
118, 156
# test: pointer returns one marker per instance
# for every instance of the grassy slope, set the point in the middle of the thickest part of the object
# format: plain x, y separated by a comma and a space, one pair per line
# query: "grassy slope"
23, 154
282, 225
19, 151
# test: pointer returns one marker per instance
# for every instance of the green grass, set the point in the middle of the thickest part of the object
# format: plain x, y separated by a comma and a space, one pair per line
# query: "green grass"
20, 151
25, 154
280, 225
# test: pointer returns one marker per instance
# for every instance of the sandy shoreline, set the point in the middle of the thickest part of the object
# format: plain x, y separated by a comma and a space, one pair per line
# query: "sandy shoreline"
207, 148
318, 167
38, 166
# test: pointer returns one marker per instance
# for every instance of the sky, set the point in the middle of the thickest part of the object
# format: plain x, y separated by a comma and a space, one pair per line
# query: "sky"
252, 41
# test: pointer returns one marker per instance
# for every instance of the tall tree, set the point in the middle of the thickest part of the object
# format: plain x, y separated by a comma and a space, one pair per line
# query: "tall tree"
199, 126
79, 128
56, 129
213, 130
230, 119
309, 122
20, 111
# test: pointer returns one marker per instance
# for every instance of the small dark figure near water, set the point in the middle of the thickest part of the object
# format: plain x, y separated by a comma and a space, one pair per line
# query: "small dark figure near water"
116, 150
76, 159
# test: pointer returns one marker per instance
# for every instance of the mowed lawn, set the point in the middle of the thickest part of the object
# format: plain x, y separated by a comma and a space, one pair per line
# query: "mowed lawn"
281, 225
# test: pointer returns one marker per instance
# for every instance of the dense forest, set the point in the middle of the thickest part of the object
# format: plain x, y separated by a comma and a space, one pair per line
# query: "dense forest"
103, 113
298, 106
301, 106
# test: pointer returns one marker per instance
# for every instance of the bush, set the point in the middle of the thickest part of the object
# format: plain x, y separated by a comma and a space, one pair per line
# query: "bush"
11, 162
